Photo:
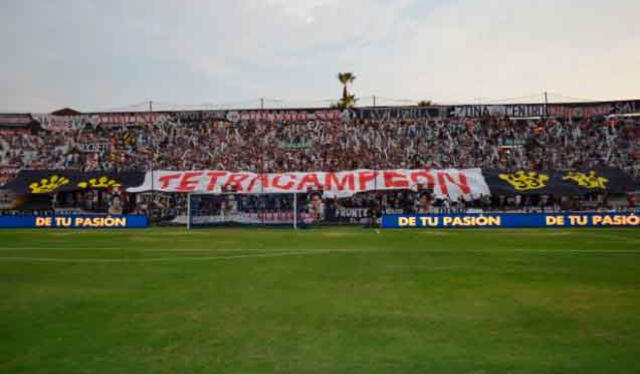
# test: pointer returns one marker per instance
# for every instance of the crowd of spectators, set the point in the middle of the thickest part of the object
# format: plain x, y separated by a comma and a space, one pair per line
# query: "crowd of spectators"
263, 146
330, 146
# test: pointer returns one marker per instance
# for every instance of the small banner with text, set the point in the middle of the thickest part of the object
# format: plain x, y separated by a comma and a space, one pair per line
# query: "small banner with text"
74, 222
509, 220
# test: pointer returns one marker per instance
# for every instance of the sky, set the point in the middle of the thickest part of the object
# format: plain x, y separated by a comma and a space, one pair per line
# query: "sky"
119, 54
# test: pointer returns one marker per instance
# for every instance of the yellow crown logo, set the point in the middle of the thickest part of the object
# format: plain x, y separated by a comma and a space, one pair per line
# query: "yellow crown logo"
525, 181
47, 185
102, 182
591, 180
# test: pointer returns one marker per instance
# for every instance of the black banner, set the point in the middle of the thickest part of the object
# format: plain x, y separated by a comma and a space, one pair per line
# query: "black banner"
512, 110
557, 110
188, 116
14, 120
568, 183
401, 113
292, 115
52, 181
588, 110
55, 123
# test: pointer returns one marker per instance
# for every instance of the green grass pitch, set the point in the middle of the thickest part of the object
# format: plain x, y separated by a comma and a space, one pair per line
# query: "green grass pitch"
329, 300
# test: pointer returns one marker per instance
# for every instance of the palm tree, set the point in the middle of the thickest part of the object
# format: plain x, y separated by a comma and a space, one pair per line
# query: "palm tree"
345, 103
346, 79
349, 102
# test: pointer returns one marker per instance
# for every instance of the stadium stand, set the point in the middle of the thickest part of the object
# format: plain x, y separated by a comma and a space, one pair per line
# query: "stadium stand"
331, 145
270, 144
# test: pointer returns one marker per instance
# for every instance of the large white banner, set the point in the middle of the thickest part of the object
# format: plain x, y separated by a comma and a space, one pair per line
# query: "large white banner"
452, 183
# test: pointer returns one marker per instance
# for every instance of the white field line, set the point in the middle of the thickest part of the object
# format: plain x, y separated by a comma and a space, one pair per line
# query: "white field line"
158, 259
334, 250
307, 252
596, 251
71, 249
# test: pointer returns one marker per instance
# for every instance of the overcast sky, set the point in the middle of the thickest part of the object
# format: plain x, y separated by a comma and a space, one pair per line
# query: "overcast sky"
104, 54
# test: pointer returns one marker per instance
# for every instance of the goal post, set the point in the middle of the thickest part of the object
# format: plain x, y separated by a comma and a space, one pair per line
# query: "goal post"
189, 211
232, 209
294, 210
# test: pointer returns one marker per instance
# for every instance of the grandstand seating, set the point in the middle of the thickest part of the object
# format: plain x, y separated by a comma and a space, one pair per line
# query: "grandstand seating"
267, 146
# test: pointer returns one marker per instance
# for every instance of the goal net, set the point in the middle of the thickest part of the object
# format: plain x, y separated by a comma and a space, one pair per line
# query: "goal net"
230, 209
286, 210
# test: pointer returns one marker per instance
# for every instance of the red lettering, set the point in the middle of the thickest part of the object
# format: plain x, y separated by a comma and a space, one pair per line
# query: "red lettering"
394, 179
262, 178
187, 183
443, 178
278, 185
348, 179
309, 178
366, 177
213, 179
423, 177
236, 180
165, 180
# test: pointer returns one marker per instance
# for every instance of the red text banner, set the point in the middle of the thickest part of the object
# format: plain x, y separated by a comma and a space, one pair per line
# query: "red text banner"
446, 183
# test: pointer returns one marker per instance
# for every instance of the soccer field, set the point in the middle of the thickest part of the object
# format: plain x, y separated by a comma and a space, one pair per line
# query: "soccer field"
330, 300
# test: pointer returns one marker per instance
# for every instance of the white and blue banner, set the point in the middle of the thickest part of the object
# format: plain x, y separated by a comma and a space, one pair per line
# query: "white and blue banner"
74, 222
510, 220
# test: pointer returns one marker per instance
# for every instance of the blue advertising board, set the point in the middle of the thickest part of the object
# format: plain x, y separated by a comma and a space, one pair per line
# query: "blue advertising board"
511, 220
74, 222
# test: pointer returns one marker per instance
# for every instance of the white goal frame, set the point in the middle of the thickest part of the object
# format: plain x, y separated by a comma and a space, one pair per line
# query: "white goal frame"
191, 194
